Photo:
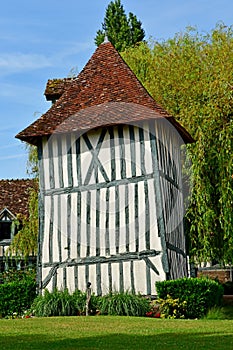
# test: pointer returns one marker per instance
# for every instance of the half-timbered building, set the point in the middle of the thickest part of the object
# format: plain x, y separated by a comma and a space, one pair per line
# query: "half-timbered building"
111, 202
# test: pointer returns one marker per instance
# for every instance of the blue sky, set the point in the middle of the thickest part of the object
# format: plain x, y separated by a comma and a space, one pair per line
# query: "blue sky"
42, 39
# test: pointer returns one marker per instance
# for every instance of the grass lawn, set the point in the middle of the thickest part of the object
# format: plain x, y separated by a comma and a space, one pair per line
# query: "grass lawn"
106, 332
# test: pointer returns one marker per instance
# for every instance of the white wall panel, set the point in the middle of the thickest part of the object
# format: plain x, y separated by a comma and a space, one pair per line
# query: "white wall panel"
115, 277
55, 231
47, 216
73, 218
140, 277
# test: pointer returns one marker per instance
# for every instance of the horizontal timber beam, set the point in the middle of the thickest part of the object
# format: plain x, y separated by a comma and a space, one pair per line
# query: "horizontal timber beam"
100, 185
97, 260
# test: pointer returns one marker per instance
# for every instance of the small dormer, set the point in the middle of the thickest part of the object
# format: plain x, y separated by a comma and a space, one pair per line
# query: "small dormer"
6, 226
55, 88
14, 196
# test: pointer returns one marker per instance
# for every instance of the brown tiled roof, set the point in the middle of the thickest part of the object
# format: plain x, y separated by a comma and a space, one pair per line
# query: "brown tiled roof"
14, 195
105, 79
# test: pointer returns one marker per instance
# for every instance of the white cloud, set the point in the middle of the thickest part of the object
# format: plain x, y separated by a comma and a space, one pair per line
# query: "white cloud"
18, 62
13, 145
20, 96
8, 90
72, 48
4, 129
14, 156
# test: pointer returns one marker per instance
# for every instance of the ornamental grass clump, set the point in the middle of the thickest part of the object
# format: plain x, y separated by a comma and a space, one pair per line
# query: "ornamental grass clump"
123, 304
63, 303
79, 299
220, 313
56, 303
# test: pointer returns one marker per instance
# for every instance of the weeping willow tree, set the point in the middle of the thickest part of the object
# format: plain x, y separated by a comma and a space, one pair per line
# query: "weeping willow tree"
25, 242
191, 76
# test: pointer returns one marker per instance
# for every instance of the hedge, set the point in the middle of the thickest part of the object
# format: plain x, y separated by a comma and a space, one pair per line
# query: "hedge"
200, 294
16, 297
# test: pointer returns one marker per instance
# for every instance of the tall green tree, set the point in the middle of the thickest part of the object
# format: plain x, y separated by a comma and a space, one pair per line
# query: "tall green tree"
122, 31
190, 75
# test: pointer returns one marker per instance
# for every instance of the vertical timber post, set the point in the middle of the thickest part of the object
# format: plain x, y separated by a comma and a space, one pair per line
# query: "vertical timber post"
41, 219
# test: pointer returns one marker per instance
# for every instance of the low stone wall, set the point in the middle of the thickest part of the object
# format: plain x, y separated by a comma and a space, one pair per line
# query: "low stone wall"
222, 275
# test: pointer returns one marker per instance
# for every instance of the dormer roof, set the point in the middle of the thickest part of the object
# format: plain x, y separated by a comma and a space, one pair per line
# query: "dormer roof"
106, 81
56, 87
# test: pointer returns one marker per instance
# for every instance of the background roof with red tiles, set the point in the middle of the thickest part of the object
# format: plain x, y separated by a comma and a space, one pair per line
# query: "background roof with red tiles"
14, 195
105, 79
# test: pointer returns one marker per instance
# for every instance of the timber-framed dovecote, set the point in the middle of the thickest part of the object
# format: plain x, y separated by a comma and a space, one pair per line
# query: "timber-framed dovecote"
111, 201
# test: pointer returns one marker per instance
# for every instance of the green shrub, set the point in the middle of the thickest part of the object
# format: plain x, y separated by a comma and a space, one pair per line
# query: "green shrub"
123, 304
228, 288
172, 308
16, 297
14, 275
200, 294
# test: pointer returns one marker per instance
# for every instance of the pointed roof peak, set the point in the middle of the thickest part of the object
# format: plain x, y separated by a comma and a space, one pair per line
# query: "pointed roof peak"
105, 39
105, 78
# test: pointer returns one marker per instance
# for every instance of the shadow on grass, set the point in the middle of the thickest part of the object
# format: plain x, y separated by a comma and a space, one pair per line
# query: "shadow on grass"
172, 341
